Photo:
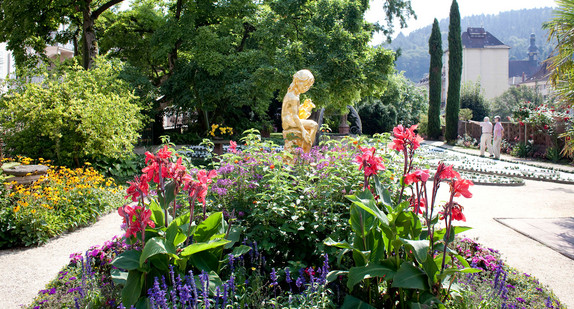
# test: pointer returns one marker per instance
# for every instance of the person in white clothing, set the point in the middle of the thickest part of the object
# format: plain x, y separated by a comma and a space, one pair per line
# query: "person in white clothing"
498, 134
486, 137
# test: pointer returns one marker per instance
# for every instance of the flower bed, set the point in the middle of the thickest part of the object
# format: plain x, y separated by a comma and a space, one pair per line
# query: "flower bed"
254, 232
61, 201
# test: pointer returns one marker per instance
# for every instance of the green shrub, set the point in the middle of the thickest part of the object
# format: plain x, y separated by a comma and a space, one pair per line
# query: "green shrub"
72, 115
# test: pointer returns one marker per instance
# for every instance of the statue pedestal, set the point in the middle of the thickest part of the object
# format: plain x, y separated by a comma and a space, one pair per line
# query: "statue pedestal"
343, 126
218, 145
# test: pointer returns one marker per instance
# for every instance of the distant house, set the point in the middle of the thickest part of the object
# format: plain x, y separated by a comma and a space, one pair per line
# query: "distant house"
521, 70
484, 59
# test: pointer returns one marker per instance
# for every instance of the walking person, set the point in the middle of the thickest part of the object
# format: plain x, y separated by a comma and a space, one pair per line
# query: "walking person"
486, 137
498, 133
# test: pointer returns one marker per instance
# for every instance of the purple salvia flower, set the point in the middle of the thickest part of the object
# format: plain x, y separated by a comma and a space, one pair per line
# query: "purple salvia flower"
274, 277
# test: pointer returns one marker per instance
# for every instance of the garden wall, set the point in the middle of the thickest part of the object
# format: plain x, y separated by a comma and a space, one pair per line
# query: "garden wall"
515, 132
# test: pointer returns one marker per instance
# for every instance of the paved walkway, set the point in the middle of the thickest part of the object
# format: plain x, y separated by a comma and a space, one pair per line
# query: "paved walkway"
25, 271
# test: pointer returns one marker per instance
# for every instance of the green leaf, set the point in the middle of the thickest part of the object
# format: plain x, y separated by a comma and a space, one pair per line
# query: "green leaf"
358, 274
174, 235
169, 195
153, 246
366, 201
420, 248
205, 261
157, 215
332, 243
118, 276
132, 290
355, 303
334, 274
410, 277
202, 246
128, 260
241, 250
209, 227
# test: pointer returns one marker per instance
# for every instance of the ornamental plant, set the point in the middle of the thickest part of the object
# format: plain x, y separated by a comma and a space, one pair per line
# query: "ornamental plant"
399, 255
165, 234
288, 209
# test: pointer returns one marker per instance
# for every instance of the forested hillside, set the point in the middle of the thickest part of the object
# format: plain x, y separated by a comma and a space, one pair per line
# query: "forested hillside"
513, 28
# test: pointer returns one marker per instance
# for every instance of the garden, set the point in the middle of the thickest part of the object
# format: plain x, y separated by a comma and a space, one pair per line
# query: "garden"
350, 224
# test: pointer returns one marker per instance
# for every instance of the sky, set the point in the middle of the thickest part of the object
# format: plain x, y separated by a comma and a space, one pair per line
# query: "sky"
428, 10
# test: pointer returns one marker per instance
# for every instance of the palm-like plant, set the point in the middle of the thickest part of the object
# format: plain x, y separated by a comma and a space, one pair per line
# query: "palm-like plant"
561, 63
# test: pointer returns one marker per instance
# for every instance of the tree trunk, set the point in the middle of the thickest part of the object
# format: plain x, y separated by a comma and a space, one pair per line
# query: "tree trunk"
90, 48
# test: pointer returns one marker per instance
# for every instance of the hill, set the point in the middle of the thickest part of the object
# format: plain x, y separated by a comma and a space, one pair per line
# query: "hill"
513, 28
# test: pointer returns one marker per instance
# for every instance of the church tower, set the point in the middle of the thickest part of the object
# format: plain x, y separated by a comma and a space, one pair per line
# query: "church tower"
532, 49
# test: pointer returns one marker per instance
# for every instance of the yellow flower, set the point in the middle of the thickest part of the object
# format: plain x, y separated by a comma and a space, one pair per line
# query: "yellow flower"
33, 211
17, 208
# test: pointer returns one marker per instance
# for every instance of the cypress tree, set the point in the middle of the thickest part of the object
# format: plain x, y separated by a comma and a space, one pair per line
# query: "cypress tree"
454, 73
435, 82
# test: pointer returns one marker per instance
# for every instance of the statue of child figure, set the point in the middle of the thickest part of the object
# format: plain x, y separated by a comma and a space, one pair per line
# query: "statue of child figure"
298, 131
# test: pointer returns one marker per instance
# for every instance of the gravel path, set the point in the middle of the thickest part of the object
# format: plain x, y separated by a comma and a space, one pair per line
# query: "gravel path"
23, 272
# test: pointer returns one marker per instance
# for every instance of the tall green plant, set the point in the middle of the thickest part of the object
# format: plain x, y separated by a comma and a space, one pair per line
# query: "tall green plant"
399, 258
435, 82
454, 73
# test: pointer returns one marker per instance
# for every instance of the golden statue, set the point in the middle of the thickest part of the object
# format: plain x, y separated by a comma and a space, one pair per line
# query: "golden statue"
298, 131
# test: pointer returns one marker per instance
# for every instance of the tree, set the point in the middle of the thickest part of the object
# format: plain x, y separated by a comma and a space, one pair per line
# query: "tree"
401, 103
435, 82
226, 61
471, 97
511, 99
561, 64
35, 24
454, 73
72, 115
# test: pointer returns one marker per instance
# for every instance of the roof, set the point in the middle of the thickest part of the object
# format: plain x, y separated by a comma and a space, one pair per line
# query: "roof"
517, 67
479, 38
542, 74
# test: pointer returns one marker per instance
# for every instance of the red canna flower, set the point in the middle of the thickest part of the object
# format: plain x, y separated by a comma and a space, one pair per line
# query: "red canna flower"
136, 219
418, 207
457, 212
416, 176
138, 187
460, 187
444, 171
198, 189
368, 162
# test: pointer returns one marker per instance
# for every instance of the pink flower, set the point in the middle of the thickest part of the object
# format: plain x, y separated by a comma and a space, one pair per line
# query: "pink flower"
233, 146
416, 205
368, 162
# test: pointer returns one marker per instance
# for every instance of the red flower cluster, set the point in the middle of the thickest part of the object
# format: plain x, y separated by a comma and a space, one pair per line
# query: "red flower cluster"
416, 176
155, 162
444, 171
460, 187
136, 219
138, 188
404, 137
198, 189
369, 162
